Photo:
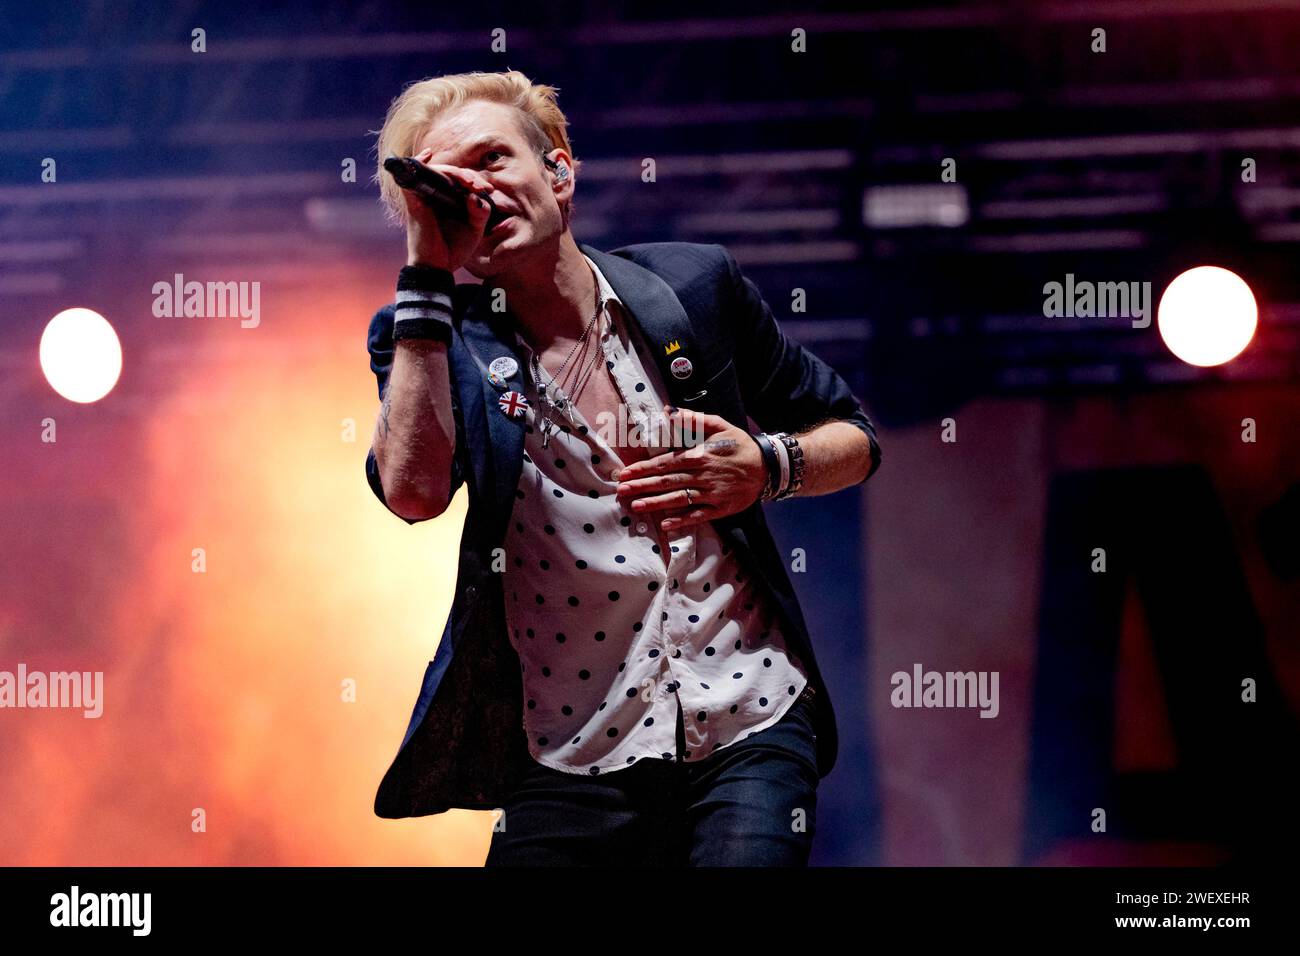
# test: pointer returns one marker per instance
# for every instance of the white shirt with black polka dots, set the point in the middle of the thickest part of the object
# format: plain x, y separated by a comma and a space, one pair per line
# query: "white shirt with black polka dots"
611, 632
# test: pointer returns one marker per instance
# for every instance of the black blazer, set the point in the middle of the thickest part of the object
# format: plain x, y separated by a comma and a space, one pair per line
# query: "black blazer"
466, 734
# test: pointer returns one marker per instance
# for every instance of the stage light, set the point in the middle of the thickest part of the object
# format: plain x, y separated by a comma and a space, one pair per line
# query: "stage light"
80, 355
1207, 316
907, 205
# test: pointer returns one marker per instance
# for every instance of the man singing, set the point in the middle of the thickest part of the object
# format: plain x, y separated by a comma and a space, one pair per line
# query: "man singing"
626, 673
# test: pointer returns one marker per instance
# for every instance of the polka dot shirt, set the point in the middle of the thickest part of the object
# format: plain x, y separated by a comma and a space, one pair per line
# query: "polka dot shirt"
617, 624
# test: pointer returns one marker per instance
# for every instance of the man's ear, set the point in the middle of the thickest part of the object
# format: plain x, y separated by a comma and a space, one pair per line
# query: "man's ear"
562, 180
560, 164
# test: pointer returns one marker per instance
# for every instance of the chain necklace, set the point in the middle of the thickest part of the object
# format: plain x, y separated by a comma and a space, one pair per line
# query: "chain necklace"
563, 403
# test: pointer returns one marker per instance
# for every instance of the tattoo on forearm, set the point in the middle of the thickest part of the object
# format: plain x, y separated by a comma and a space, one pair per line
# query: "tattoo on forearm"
383, 413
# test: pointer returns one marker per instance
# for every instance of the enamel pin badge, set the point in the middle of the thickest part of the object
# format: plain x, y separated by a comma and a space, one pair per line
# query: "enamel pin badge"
513, 404
681, 367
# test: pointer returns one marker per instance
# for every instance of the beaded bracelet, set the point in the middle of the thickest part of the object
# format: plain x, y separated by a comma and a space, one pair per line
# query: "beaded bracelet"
796, 465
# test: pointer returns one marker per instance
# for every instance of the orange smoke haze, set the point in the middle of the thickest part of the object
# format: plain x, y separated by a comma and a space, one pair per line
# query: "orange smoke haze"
223, 690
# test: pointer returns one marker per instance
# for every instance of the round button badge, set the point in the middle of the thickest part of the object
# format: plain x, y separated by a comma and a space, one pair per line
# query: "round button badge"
501, 369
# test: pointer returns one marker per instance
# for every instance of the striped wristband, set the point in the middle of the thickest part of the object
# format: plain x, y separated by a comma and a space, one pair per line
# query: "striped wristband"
783, 460
423, 304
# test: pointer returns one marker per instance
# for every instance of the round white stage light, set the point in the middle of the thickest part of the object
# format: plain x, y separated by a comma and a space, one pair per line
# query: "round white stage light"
80, 355
1207, 316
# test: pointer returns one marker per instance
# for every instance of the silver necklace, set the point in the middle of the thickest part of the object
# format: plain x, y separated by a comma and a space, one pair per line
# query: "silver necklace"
563, 402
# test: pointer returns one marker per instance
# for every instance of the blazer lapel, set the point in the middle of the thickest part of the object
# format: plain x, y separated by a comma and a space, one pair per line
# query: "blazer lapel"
490, 335
662, 320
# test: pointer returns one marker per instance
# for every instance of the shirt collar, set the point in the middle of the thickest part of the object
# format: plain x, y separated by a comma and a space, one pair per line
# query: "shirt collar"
607, 295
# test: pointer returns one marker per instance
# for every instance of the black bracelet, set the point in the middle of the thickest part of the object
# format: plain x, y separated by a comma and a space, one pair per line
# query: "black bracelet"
770, 462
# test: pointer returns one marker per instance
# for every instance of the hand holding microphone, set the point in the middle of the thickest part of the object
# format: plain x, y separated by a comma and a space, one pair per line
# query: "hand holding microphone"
447, 215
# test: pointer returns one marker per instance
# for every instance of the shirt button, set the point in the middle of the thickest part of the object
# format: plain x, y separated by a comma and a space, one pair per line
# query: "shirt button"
641, 527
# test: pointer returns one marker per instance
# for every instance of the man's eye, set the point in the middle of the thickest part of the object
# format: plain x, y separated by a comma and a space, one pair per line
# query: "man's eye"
492, 155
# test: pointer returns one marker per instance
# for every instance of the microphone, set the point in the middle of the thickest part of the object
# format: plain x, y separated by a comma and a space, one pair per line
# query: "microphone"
446, 197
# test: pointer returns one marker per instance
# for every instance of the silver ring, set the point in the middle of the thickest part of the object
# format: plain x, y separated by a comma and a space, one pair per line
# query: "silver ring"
688, 496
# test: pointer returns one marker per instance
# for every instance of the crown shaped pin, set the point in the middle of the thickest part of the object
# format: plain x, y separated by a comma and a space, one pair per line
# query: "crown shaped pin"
673, 346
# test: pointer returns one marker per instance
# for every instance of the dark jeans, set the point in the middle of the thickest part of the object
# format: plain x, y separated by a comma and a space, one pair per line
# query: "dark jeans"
752, 803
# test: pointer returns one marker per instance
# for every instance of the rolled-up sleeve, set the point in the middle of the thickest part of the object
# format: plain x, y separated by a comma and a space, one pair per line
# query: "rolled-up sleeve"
784, 385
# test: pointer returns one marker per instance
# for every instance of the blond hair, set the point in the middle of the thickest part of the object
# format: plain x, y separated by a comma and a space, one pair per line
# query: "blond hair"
412, 113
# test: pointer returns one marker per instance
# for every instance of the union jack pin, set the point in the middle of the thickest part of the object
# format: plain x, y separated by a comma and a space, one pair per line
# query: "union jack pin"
513, 403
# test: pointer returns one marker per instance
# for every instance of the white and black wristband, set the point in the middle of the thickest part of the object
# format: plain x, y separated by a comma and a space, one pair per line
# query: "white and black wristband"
424, 308
783, 463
